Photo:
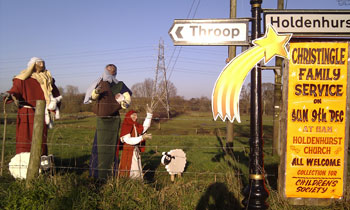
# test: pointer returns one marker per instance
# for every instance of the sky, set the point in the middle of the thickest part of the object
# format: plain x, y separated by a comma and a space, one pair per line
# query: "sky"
78, 38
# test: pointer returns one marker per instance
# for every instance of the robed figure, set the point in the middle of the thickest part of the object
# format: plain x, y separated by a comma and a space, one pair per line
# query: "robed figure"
109, 96
133, 136
32, 84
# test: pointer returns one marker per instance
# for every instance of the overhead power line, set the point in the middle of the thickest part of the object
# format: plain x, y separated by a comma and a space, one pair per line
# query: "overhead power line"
83, 53
171, 71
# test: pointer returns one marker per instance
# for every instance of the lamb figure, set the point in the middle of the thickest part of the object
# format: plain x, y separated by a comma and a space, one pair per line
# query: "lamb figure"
174, 161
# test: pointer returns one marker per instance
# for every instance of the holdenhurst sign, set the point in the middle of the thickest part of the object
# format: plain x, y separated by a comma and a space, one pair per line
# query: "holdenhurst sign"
317, 120
309, 22
210, 32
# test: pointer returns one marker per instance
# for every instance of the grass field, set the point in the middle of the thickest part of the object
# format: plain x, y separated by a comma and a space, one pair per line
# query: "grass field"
213, 178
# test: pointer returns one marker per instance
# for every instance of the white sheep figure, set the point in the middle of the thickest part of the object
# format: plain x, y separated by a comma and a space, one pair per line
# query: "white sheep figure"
174, 161
52, 106
18, 165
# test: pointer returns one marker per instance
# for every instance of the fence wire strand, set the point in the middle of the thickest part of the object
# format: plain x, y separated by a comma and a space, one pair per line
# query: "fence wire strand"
66, 163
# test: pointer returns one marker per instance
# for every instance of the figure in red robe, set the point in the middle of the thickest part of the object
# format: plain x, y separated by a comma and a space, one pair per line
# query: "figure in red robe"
32, 84
133, 135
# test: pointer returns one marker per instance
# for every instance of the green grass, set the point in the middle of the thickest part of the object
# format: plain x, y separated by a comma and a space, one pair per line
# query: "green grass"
212, 180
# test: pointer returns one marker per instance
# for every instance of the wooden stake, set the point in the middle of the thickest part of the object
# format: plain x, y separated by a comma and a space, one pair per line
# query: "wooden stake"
37, 139
231, 55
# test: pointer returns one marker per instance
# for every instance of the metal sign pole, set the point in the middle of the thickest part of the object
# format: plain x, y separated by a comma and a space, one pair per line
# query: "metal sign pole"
256, 193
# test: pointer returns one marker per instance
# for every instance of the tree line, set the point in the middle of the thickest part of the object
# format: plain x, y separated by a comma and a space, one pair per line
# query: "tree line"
72, 101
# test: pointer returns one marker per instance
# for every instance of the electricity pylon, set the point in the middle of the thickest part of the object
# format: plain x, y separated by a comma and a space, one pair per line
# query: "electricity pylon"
160, 93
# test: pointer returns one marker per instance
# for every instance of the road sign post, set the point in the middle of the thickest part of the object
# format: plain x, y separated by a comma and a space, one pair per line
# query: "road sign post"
255, 192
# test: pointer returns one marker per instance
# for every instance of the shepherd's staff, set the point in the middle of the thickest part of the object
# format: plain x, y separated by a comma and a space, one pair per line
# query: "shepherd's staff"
4, 135
6, 98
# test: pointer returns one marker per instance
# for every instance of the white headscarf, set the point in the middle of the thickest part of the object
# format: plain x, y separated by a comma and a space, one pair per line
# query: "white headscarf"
33, 60
44, 78
106, 76
26, 73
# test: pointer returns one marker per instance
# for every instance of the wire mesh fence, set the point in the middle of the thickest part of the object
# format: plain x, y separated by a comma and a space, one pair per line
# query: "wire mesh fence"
203, 140
75, 156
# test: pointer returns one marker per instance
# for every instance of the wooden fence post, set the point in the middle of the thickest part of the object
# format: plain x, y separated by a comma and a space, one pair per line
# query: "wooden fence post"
37, 138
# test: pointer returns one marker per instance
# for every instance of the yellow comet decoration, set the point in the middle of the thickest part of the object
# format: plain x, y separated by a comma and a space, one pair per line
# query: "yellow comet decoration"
225, 98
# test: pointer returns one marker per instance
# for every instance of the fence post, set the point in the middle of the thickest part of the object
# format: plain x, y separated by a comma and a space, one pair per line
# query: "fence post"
37, 138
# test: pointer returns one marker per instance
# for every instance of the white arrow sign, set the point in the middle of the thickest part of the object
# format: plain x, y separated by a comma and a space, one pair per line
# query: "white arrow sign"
210, 32
310, 23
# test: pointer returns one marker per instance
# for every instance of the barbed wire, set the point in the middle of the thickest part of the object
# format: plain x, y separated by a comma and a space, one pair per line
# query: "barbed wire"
148, 146
91, 115
233, 148
73, 97
146, 156
148, 171
174, 119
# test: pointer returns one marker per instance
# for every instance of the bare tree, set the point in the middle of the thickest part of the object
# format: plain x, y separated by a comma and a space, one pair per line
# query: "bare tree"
172, 90
244, 103
143, 89
267, 90
72, 99
61, 89
71, 90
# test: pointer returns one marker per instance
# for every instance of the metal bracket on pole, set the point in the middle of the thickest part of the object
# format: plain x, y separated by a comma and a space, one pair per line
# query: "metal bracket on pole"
276, 69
